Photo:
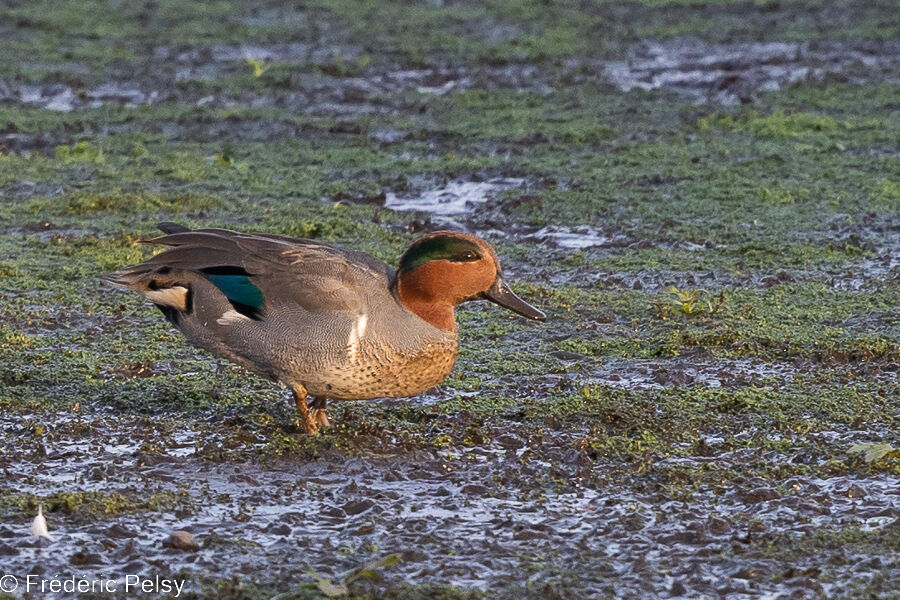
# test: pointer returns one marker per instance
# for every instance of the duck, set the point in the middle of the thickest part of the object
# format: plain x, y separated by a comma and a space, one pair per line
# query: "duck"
327, 322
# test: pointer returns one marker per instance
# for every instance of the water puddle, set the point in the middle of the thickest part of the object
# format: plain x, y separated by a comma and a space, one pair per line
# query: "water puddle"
574, 238
56, 97
434, 82
61, 98
732, 73
119, 93
455, 198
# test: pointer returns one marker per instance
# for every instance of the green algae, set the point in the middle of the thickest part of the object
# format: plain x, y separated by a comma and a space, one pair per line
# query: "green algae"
91, 504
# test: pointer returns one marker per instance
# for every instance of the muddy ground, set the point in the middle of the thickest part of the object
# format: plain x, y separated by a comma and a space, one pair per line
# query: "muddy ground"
703, 197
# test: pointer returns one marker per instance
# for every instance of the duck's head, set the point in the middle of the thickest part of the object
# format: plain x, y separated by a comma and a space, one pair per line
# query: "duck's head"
445, 268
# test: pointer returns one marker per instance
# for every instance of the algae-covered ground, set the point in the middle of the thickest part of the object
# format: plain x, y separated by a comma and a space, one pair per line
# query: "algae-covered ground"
703, 196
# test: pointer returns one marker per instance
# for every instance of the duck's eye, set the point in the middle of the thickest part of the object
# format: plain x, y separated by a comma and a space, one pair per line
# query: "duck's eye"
466, 256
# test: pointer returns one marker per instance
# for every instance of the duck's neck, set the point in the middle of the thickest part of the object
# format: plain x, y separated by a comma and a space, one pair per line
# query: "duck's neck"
439, 315
415, 291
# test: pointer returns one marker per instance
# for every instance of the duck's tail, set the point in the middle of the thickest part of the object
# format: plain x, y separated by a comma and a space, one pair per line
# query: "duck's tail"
160, 284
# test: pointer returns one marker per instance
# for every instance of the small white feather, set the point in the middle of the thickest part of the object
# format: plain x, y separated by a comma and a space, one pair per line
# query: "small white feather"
231, 317
361, 323
357, 331
39, 525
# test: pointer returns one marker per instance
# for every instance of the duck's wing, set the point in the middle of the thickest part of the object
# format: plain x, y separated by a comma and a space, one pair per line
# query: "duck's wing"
257, 272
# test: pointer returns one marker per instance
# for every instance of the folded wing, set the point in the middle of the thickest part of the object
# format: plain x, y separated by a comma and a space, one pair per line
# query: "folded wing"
254, 272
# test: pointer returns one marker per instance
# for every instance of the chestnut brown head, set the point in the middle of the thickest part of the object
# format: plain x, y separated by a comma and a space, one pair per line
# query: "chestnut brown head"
446, 268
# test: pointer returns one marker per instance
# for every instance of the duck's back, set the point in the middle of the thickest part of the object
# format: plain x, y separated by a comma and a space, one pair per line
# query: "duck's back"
295, 310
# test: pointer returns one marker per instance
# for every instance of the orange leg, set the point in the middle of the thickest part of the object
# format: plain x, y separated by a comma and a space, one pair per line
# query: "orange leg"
304, 417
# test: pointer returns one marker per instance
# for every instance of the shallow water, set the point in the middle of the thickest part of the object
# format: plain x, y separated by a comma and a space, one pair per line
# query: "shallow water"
733, 73
455, 198
574, 238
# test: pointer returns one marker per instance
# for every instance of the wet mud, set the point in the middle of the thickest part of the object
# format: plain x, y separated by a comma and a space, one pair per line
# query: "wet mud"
706, 73
476, 518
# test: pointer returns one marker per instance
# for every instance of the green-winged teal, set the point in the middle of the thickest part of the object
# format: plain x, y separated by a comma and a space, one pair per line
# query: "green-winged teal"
326, 321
